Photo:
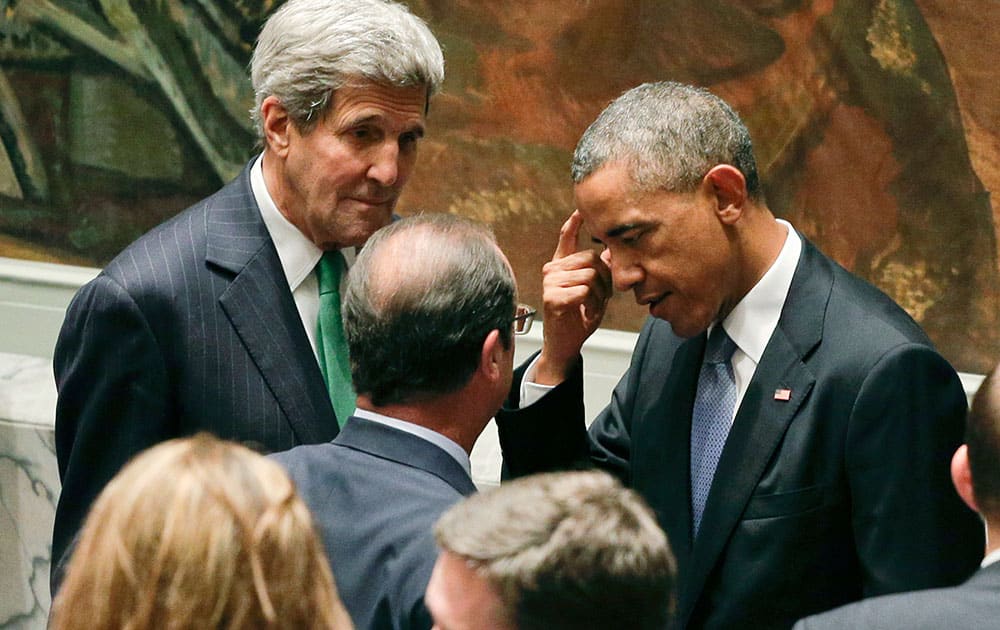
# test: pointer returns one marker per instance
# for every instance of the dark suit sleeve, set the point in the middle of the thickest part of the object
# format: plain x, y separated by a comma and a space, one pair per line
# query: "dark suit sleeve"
550, 434
112, 400
911, 529
547, 435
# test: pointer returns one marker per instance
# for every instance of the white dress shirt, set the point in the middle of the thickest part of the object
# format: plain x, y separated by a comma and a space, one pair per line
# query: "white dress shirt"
750, 324
298, 255
444, 443
752, 321
993, 556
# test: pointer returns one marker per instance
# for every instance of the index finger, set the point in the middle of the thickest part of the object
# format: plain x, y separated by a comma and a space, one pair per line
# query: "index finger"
568, 234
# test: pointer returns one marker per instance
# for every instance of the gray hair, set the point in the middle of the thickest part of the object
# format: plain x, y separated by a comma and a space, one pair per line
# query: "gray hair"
421, 298
669, 135
310, 48
566, 550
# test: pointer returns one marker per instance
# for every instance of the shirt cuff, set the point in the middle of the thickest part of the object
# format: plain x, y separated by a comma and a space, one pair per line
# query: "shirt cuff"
532, 392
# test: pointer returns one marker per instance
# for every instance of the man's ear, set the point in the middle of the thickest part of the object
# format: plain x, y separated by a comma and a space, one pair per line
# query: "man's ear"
277, 125
961, 476
729, 187
491, 359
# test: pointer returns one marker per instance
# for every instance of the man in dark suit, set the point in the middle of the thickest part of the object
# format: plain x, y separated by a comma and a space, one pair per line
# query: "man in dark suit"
209, 322
975, 604
797, 463
429, 315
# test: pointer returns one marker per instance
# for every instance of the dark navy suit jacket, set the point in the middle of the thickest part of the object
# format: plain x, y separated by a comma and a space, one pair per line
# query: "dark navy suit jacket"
375, 493
191, 328
974, 605
838, 491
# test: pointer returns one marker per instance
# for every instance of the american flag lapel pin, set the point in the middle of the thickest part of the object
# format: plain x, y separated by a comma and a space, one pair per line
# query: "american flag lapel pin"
783, 394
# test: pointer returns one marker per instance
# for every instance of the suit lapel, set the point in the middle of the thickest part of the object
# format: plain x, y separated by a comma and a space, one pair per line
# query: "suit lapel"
260, 307
403, 448
670, 412
763, 417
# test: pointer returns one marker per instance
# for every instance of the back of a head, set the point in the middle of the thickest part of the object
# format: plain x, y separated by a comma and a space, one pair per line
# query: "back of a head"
199, 533
309, 48
982, 435
670, 135
421, 297
566, 550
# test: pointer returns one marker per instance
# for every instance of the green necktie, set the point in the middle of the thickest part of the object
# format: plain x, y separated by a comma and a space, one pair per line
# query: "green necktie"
331, 346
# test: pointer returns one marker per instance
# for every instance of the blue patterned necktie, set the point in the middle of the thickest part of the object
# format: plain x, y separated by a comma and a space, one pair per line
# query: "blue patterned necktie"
714, 403
331, 345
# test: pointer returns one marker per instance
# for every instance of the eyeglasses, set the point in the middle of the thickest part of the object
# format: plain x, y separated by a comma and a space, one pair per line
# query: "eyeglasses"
522, 320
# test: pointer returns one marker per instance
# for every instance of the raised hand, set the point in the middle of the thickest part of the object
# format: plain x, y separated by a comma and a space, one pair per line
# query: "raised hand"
576, 286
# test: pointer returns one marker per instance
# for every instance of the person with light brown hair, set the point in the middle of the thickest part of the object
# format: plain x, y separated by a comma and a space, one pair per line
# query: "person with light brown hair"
552, 552
199, 533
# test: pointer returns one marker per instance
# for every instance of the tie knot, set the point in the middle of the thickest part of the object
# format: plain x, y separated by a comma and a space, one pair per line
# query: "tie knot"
720, 347
329, 270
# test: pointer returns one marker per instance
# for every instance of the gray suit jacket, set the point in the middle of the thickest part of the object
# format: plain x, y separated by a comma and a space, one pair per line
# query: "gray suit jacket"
975, 605
836, 492
191, 328
375, 493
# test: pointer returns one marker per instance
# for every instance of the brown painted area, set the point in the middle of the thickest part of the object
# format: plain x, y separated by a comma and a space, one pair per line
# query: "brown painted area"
12, 247
875, 123
968, 34
845, 198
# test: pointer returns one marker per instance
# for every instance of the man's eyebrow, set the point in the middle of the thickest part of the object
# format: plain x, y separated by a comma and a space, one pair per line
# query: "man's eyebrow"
618, 231
361, 120
621, 229
417, 129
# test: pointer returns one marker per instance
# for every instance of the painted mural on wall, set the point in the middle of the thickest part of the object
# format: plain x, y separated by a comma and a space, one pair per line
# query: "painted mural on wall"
875, 123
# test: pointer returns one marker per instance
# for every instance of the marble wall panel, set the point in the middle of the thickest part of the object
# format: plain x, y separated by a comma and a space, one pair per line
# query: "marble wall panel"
29, 487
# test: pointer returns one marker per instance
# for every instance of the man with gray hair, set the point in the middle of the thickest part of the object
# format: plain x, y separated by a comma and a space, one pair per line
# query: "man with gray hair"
789, 424
430, 316
226, 318
550, 552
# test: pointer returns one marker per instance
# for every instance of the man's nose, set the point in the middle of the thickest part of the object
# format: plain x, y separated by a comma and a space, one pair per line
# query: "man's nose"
384, 168
625, 272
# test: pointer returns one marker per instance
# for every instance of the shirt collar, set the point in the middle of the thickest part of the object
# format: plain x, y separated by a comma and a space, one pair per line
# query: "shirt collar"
753, 320
991, 559
298, 255
444, 443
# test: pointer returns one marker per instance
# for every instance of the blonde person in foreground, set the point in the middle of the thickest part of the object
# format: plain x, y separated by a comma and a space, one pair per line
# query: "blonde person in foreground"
199, 533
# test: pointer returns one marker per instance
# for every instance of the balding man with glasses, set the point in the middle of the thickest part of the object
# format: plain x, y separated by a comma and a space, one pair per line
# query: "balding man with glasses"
430, 316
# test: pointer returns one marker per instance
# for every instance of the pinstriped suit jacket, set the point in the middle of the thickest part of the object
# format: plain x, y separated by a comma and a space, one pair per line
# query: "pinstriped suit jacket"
191, 328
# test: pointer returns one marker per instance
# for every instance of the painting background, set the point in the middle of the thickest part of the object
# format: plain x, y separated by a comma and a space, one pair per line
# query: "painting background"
875, 121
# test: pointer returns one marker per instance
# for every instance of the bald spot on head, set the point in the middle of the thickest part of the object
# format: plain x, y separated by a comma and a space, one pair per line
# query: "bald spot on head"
421, 298
407, 263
